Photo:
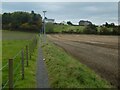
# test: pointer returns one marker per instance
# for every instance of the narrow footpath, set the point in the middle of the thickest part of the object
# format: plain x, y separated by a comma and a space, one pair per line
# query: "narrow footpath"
41, 75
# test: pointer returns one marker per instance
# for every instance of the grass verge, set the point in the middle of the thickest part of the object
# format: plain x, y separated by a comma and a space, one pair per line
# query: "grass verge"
66, 72
11, 45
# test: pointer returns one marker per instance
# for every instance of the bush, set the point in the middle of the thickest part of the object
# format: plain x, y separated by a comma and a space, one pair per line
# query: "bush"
105, 31
90, 29
116, 31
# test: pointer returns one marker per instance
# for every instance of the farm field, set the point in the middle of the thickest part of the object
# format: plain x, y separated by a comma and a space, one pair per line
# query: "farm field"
12, 43
100, 53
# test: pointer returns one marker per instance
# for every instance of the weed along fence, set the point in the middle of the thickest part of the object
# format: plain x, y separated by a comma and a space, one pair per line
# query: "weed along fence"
13, 70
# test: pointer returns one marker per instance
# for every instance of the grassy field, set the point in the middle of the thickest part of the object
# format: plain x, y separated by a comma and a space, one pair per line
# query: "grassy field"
60, 28
16, 35
64, 28
13, 42
66, 72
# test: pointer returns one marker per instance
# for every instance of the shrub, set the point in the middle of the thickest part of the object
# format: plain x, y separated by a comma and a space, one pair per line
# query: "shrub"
116, 31
90, 29
105, 31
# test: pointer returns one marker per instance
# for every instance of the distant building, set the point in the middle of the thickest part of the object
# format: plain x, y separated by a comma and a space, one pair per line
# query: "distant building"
84, 23
49, 20
64, 23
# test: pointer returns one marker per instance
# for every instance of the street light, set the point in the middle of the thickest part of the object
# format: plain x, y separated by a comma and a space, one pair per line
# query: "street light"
44, 26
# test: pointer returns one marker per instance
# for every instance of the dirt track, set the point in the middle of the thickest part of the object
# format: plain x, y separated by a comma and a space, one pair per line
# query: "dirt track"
100, 53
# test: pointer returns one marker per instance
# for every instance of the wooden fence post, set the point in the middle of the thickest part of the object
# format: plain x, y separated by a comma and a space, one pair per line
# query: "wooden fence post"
10, 73
33, 46
22, 64
27, 55
30, 50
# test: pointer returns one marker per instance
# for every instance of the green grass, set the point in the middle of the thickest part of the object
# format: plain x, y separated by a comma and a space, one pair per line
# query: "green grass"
16, 35
13, 42
66, 72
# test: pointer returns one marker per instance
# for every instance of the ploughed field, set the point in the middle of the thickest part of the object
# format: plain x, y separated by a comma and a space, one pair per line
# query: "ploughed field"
100, 53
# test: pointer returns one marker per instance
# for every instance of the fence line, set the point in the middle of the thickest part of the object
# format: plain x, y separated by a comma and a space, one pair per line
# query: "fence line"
25, 54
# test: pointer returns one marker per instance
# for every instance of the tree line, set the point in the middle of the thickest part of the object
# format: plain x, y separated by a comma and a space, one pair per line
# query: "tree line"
93, 29
105, 29
23, 21
32, 22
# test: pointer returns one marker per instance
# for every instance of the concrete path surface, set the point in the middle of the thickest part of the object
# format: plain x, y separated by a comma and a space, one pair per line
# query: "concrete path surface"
41, 75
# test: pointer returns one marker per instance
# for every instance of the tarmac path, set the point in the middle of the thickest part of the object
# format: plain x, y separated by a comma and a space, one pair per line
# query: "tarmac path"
41, 75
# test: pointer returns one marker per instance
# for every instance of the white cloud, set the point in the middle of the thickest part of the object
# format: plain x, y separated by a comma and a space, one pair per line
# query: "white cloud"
91, 8
51, 7
0, 7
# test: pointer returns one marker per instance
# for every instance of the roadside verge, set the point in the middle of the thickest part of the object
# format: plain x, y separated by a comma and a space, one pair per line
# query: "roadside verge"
66, 72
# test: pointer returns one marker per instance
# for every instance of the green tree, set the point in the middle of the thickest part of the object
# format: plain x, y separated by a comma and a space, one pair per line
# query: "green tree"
69, 23
22, 21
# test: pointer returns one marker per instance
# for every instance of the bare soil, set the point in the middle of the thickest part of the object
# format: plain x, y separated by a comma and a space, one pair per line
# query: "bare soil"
100, 53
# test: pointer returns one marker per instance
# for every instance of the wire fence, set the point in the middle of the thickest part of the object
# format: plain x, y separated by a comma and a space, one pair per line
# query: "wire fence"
14, 69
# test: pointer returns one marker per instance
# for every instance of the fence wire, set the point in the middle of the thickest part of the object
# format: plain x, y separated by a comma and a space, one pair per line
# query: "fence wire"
3, 86
17, 54
18, 65
4, 67
16, 79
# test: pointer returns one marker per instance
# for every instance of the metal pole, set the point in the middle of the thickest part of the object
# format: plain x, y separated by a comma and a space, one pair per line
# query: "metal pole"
44, 27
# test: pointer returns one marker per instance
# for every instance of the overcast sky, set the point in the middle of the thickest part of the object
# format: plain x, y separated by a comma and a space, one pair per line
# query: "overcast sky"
97, 12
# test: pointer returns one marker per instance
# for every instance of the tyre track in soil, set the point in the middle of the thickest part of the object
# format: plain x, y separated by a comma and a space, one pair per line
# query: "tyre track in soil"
103, 60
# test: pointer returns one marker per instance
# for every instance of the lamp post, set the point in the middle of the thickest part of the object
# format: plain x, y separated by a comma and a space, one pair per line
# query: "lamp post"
44, 27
